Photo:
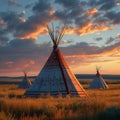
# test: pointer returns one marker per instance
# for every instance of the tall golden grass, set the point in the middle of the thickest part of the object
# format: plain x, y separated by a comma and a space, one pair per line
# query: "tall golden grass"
100, 105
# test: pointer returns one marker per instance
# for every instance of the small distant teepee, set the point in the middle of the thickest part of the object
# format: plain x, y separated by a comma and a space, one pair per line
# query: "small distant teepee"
26, 83
56, 77
98, 82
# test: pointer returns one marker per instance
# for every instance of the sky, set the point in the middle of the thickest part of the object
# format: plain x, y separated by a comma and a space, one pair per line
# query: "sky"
92, 35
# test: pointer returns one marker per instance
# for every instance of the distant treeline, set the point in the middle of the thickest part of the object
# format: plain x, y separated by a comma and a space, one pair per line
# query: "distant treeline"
79, 76
91, 76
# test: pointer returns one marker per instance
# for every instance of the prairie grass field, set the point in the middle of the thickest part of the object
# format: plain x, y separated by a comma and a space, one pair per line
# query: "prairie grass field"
99, 105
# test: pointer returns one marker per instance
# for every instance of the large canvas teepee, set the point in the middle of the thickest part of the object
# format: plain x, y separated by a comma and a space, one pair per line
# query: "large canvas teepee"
56, 77
26, 83
98, 82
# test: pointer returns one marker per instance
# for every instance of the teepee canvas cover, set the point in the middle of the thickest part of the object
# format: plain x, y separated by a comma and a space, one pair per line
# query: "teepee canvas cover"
98, 82
56, 78
26, 83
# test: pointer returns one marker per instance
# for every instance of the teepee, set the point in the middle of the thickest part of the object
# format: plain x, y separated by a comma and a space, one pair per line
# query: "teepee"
26, 83
56, 77
98, 82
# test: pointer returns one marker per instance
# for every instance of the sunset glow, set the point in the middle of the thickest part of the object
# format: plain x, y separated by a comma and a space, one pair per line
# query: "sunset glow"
92, 35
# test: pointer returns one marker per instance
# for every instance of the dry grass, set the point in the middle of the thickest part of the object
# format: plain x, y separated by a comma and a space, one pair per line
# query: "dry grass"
6, 90
110, 96
100, 105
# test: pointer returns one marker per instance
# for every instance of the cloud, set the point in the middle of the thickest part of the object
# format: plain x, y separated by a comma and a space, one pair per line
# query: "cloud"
98, 38
23, 54
114, 17
12, 20
85, 54
2, 22
118, 35
13, 3
85, 49
68, 3
107, 5
31, 27
3, 34
42, 6
91, 12
90, 27
20, 30
66, 42
87, 21
20, 55
3, 40
36, 24
110, 40
80, 20
29, 5
118, 3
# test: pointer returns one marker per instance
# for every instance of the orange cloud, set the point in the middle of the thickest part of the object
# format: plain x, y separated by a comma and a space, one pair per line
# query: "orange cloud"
103, 57
91, 12
112, 51
29, 63
90, 28
26, 65
102, 54
39, 30
83, 56
69, 31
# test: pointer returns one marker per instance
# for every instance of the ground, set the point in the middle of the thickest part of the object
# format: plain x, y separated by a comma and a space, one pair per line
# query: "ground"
99, 105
